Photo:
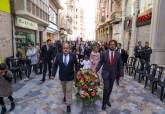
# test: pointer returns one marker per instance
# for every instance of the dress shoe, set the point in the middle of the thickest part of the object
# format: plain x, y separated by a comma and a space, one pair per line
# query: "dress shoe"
68, 109
42, 80
51, 78
3, 110
117, 83
109, 104
104, 107
12, 106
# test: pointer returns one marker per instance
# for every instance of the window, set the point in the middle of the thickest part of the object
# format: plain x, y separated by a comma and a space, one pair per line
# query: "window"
33, 9
52, 16
37, 11
41, 13
28, 4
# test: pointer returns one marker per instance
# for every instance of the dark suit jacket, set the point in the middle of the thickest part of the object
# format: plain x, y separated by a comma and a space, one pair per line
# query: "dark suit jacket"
110, 71
124, 55
137, 51
47, 55
146, 53
66, 73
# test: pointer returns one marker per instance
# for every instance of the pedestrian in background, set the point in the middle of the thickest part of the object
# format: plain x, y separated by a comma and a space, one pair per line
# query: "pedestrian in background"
94, 57
137, 50
146, 53
47, 56
6, 87
32, 55
124, 57
124, 54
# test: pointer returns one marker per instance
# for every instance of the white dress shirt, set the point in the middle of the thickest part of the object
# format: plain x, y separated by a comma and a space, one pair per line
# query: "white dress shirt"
67, 58
86, 64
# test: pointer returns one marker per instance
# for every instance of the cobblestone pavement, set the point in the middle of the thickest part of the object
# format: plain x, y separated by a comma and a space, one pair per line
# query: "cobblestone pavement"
32, 97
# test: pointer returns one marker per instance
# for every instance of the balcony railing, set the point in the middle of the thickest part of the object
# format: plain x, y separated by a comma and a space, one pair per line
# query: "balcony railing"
116, 17
36, 10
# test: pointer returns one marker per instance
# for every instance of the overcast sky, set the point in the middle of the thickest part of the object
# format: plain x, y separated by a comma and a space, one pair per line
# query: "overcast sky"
89, 7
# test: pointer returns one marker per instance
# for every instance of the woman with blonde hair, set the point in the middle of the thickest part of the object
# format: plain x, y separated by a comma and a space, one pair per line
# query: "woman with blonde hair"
94, 57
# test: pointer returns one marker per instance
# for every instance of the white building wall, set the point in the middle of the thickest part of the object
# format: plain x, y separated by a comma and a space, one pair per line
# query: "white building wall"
143, 33
117, 29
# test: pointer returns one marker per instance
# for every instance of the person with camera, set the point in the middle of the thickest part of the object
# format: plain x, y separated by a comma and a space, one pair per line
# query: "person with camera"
146, 53
5, 87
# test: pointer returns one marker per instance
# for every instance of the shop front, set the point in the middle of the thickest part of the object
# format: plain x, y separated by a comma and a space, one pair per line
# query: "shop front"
52, 32
25, 32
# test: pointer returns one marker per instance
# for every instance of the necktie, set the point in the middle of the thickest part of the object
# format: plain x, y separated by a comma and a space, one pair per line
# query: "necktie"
65, 60
111, 58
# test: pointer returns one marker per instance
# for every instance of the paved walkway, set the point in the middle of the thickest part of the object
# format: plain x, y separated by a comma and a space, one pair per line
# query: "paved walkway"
130, 98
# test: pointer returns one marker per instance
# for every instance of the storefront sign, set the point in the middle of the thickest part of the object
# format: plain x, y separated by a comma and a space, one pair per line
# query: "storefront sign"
53, 26
144, 19
24, 23
5, 6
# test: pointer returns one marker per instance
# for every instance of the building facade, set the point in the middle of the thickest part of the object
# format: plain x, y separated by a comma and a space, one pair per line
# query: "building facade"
52, 32
157, 39
139, 20
6, 48
103, 20
70, 20
31, 20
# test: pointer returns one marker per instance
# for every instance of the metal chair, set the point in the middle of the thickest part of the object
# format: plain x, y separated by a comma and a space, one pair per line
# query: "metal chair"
151, 73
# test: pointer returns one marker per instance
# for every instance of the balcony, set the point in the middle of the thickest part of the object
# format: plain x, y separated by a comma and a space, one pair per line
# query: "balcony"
116, 17
36, 11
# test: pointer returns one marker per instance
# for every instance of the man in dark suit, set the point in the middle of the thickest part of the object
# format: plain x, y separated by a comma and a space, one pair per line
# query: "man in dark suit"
124, 57
112, 67
146, 54
47, 56
67, 62
124, 54
137, 50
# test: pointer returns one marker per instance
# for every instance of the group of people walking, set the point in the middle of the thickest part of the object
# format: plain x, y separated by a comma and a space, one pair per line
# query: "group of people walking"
69, 57
69, 62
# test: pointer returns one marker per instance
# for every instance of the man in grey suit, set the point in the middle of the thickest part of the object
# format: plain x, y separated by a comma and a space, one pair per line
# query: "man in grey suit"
112, 67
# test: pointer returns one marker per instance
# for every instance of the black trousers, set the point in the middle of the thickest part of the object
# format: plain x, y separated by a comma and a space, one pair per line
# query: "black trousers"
47, 65
30, 69
2, 101
117, 80
108, 86
40, 67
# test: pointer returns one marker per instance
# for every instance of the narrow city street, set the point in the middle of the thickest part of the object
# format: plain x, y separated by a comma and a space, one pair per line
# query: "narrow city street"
41, 38
32, 97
